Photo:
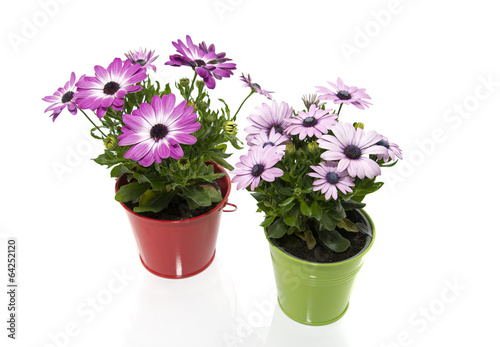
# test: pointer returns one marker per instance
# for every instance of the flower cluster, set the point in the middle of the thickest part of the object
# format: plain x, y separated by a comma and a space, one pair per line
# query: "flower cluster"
166, 143
306, 168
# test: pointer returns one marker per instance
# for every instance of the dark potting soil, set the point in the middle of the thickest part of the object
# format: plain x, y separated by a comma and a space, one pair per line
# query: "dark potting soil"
295, 246
177, 210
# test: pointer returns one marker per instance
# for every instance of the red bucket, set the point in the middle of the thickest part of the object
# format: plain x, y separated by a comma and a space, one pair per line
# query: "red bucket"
183, 248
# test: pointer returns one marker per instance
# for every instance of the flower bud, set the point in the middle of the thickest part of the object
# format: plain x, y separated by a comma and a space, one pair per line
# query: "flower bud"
290, 148
184, 82
200, 84
359, 125
230, 128
183, 164
312, 148
110, 142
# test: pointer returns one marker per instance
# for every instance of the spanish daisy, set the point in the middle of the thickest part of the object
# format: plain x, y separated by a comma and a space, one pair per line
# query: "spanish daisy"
254, 86
310, 99
315, 122
269, 117
143, 58
273, 139
348, 146
256, 165
331, 179
207, 64
63, 97
109, 86
156, 130
343, 94
393, 150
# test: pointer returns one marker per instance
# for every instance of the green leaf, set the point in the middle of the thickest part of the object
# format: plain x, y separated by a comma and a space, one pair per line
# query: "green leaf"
119, 170
131, 192
109, 159
157, 205
289, 220
287, 202
333, 240
305, 209
198, 196
214, 195
347, 225
259, 196
148, 197
277, 229
310, 240
327, 222
317, 212
351, 204
267, 222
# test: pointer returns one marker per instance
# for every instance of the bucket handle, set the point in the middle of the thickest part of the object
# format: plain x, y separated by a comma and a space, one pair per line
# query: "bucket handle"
233, 205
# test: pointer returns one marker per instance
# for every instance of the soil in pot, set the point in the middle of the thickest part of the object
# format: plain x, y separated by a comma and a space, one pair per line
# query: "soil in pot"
177, 210
293, 245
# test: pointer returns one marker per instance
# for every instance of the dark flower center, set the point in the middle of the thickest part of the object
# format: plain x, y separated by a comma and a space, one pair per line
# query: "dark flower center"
344, 95
111, 87
309, 122
158, 131
68, 96
332, 178
255, 85
383, 143
352, 152
141, 61
267, 144
277, 128
257, 170
200, 62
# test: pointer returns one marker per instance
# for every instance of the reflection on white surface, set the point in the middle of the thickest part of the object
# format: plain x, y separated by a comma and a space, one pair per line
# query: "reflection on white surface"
284, 331
194, 311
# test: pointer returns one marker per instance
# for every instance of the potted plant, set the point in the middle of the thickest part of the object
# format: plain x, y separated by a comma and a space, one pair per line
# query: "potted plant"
167, 149
309, 173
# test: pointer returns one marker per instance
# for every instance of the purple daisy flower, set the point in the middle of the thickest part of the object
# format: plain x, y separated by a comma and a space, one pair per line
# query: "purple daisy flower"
331, 179
255, 87
349, 145
207, 64
273, 139
342, 94
269, 117
256, 165
142, 57
315, 122
109, 86
156, 130
63, 98
393, 150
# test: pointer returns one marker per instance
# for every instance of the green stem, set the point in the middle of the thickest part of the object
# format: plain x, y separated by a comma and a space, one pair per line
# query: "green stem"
90, 120
243, 103
338, 113
192, 85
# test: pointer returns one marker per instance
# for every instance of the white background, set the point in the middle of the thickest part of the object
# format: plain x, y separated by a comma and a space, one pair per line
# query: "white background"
425, 64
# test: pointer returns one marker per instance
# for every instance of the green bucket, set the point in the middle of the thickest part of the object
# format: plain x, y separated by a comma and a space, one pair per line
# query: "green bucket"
317, 293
